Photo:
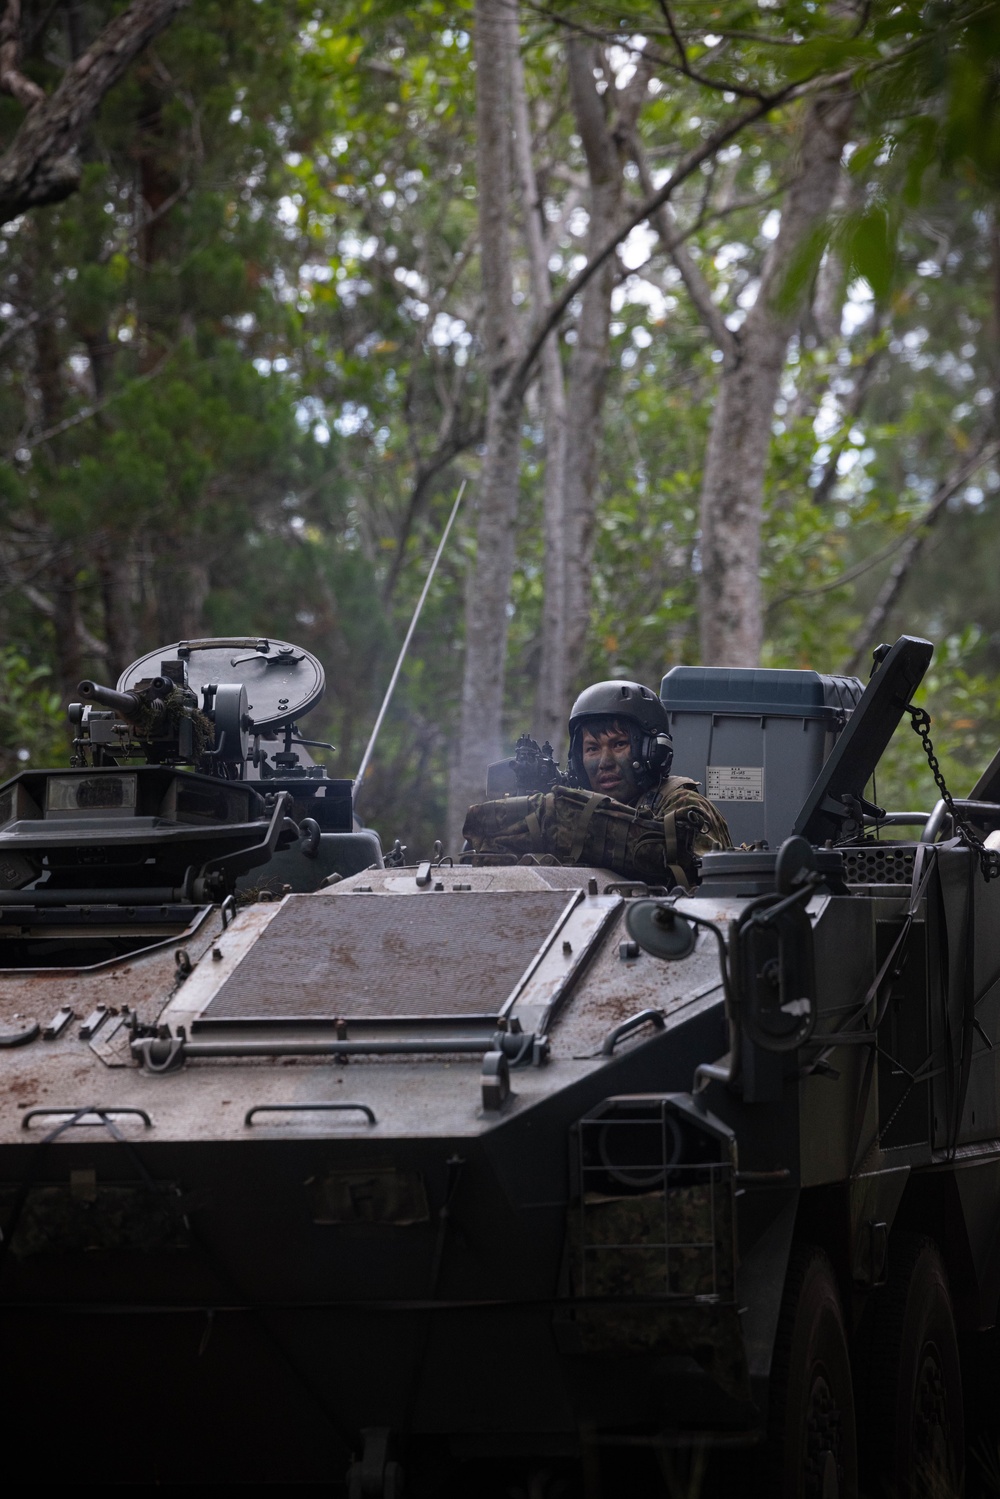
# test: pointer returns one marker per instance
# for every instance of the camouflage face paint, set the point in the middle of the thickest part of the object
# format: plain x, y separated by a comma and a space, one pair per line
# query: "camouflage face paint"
607, 762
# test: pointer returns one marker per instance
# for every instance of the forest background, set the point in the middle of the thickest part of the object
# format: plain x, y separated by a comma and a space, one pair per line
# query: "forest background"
702, 299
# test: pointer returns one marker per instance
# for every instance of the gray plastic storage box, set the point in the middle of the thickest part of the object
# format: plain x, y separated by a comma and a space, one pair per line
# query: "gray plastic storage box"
755, 739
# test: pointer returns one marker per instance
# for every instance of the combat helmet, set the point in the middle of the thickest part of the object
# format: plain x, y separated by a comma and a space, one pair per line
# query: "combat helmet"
639, 708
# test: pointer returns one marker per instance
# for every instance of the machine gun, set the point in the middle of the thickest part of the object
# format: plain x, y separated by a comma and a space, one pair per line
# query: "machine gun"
532, 769
162, 717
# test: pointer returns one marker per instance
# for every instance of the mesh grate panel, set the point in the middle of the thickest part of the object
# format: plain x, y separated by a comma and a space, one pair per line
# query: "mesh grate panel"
362, 955
648, 1224
878, 864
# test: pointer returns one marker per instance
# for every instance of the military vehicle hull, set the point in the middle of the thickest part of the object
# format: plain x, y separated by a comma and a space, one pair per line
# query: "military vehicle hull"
493, 1175
316, 1245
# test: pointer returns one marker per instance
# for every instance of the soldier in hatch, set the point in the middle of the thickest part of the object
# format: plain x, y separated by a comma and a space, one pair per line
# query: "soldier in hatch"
622, 809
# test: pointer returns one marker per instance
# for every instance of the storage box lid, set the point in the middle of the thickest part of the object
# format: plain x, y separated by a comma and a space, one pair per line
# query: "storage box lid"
758, 692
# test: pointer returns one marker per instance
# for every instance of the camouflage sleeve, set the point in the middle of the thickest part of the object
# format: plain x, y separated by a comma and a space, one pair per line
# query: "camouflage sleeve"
508, 827
659, 846
714, 835
691, 827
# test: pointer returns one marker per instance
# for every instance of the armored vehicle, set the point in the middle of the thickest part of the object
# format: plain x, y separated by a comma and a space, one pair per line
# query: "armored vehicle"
495, 1178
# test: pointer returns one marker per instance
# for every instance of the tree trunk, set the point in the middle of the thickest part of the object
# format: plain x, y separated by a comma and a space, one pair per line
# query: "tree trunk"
66, 629
548, 720
571, 485
479, 739
117, 572
602, 141
732, 496
181, 582
61, 575
995, 315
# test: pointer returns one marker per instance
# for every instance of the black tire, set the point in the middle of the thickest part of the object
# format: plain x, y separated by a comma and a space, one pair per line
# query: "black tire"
981, 1392
909, 1380
811, 1448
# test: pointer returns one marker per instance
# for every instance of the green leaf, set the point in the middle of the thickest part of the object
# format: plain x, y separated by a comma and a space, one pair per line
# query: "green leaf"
872, 249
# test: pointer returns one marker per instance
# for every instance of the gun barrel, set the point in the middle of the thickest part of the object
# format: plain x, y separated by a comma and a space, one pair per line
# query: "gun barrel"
128, 704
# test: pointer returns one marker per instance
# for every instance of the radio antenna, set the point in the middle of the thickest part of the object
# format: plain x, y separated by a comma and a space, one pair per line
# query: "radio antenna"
366, 757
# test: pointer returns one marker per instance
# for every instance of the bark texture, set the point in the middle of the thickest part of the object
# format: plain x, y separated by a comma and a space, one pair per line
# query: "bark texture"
496, 499
604, 135
12, 80
732, 496
116, 571
552, 685
42, 163
62, 604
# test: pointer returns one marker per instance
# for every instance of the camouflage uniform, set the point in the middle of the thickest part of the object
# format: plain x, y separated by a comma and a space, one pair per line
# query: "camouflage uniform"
677, 794
658, 840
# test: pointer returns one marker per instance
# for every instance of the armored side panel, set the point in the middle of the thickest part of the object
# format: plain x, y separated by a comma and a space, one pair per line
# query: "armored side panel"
756, 739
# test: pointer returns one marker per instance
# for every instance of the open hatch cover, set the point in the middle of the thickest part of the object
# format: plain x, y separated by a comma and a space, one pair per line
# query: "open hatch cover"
283, 681
861, 746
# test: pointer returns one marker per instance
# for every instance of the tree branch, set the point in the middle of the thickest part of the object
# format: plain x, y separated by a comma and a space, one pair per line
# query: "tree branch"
684, 64
88, 411
12, 80
672, 240
518, 377
554, 228
653, 54
41, 165
439, 460
912, 547
852, 411
45, 606
9, 334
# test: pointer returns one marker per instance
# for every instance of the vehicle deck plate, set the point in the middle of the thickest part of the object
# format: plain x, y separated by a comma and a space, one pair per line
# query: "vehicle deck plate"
444, 953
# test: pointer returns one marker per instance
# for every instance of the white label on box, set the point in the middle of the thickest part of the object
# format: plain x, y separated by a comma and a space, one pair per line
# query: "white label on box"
735, 783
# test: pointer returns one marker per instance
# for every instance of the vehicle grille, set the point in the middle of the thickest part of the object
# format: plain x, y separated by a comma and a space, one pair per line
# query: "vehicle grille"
651, 1240
648, 1222
878, 864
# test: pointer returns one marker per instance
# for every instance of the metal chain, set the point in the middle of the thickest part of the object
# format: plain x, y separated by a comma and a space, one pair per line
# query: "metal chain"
989, 859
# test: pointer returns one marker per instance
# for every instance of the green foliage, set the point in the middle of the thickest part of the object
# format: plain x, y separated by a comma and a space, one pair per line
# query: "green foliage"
32, 724
964, 705
241, 378
869, 248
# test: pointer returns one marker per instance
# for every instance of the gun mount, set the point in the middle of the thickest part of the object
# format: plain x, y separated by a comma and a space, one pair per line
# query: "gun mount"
181, 787
213, 704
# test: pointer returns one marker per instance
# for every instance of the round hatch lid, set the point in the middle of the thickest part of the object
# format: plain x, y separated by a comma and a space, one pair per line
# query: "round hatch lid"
283, 681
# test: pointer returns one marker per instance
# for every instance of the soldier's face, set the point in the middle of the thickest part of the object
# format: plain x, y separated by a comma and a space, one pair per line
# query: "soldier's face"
607, 763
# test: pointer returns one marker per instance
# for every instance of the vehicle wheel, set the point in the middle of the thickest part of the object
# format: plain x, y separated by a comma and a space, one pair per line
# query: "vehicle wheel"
811, 1449
981, 1408
390, 1486
910, 1380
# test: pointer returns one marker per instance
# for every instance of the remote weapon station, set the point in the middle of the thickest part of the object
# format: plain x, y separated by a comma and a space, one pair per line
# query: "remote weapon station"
318, 1167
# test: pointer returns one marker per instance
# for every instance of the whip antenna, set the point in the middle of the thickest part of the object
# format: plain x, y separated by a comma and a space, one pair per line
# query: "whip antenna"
366, 757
